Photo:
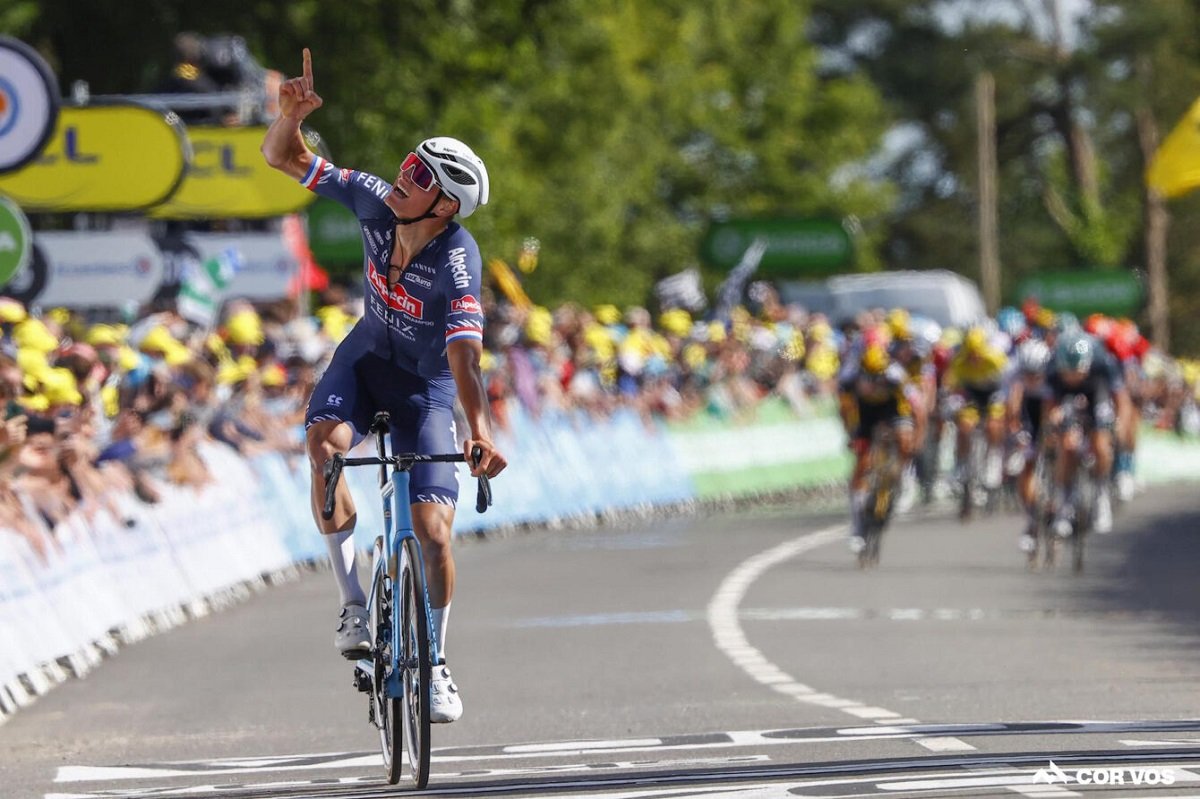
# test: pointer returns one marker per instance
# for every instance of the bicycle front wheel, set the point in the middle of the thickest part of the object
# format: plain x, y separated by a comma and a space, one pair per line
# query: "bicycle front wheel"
386, 709
416, 661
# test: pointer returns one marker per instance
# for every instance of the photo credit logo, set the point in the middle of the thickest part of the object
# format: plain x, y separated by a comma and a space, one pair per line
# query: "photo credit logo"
1114, 775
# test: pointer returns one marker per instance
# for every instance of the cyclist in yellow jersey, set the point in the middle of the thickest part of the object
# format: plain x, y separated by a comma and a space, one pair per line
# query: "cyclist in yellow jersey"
975, 376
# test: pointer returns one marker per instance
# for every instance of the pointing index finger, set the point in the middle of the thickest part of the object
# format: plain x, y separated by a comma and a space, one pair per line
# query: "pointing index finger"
308, 76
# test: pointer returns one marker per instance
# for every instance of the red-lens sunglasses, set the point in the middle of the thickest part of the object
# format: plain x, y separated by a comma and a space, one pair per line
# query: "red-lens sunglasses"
421, 176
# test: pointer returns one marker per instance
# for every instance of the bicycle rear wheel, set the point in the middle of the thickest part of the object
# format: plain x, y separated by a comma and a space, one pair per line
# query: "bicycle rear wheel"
387, 709
416, 661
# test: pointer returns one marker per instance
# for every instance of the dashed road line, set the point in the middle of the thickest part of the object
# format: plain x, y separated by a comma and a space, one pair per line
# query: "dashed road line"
724, 620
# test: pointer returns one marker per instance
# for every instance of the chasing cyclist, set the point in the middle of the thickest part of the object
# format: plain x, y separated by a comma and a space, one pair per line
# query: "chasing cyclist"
417, 347
976, 374
1085, 378
1027, 399
871, 392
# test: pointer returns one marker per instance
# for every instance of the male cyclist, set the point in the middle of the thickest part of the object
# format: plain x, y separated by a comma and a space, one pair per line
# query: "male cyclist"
976, 373
1087, 379
912, 352
417, 346
1026, 399
871, 393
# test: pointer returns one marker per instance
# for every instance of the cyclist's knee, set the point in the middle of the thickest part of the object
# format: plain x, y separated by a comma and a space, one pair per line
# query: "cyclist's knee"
432, 523
323, 439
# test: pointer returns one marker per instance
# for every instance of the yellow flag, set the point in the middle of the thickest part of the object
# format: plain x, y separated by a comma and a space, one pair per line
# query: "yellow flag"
1175, 168
509, 283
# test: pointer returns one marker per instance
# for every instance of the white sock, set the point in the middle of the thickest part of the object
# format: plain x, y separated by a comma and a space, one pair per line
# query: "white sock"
441, 617
341, 557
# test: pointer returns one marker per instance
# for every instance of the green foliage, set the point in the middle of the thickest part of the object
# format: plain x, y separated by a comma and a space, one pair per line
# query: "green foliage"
613, 129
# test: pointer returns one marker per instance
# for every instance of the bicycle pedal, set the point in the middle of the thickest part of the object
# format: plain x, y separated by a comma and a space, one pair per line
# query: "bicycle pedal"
362, 682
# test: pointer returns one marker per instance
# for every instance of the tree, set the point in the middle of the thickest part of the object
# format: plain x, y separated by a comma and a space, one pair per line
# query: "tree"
614, 130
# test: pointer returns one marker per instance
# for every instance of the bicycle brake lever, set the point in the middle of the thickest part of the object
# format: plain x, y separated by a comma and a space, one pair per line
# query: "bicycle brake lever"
333, 473
483, 494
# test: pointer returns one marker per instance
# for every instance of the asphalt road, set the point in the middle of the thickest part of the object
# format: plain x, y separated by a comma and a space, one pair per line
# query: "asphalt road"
738, 654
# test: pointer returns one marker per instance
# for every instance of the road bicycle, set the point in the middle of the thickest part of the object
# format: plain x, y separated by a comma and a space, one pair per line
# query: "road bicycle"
397, 676
883, 481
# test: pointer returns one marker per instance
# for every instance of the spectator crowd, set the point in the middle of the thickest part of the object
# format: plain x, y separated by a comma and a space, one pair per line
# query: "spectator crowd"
95, 408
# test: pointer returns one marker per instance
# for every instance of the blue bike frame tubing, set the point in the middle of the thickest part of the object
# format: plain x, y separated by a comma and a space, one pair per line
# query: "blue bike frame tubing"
397, 527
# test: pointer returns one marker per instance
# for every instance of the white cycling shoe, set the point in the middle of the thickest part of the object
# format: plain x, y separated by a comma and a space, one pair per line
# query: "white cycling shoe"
1063, 524
1125, 486
353, 637
446, 705
1103, 523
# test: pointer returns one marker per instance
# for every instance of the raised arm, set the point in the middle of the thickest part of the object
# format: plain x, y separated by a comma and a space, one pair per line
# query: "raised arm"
283, 146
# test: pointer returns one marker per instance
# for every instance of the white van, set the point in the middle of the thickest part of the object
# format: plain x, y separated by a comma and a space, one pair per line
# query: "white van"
946, 297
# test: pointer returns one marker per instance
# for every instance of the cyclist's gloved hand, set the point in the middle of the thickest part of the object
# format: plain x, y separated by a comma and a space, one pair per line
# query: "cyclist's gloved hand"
491, 461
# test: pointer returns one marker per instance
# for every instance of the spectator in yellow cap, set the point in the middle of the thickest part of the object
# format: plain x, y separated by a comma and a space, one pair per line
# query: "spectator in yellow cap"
11, 312
159, 342
33, 334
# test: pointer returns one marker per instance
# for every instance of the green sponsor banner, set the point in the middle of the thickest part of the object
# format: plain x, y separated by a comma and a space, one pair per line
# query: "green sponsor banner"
795, 246
333, 233
15, 240
1114, 292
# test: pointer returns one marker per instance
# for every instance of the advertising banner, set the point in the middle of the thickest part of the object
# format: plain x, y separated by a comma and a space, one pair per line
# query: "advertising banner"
104, 158
229, 178
333, 233
1111, 291
15, 240
265, 265
28, 103
88, 270
795, 246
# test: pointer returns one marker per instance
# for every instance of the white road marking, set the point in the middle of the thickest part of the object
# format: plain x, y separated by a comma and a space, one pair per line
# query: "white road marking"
945, 744
580, 746
725, 622
1169, 742
777, 786
1042, 791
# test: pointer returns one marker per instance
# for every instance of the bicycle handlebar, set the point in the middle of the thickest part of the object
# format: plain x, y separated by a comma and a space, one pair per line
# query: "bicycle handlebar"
334, 466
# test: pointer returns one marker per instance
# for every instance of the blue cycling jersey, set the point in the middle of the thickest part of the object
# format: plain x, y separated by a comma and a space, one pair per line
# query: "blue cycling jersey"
436, 299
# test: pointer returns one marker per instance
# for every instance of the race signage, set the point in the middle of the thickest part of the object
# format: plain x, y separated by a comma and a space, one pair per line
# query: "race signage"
104, 158
28, 103
795, 246
333, 233
265, 266
230, 178
15, 240
89, 270
1113, 292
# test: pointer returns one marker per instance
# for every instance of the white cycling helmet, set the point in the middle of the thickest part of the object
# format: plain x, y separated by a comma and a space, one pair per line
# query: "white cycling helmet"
1033, 356
458, 171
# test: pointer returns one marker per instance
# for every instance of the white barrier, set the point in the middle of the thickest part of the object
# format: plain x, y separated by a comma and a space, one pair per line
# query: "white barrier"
106, 579
114, 577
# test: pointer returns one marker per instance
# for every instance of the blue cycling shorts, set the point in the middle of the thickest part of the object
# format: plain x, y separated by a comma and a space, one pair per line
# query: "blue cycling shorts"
358, 384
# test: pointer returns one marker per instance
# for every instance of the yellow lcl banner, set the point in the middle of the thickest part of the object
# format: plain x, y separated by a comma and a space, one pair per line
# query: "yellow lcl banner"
1175, 168
230, 178
104, 158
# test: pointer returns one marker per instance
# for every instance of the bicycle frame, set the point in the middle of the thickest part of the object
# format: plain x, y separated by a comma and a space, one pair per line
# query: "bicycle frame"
398, 526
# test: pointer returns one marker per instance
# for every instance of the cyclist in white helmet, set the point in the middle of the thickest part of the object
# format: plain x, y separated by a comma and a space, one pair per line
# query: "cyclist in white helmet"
1027, 400
417, 347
